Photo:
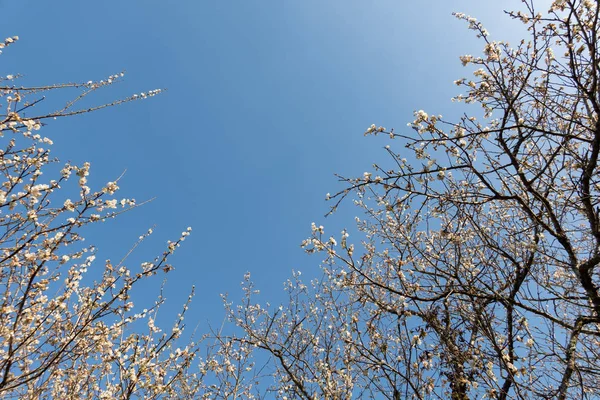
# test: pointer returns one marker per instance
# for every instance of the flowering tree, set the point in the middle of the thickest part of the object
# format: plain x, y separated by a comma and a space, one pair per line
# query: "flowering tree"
67, 333
479, 270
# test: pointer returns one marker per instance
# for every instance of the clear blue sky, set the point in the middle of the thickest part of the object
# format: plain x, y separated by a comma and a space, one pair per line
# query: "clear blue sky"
266, 100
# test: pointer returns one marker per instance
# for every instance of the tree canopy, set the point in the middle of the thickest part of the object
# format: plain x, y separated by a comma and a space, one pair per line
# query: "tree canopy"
477, 272
65, 332
473, 270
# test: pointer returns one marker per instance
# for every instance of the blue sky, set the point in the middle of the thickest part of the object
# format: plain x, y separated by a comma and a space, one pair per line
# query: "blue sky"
266, 100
